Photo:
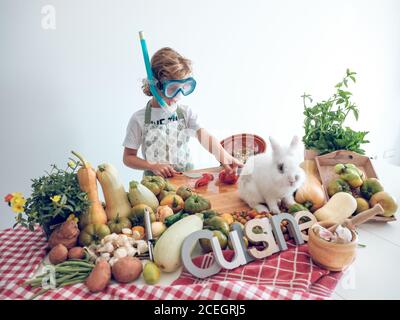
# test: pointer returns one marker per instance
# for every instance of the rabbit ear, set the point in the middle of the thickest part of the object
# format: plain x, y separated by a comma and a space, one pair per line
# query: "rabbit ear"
276, 148
295, 143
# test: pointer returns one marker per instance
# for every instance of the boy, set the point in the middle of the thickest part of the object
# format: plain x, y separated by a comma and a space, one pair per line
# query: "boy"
164, 137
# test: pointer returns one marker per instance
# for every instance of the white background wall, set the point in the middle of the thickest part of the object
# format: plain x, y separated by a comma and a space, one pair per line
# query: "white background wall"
76, 87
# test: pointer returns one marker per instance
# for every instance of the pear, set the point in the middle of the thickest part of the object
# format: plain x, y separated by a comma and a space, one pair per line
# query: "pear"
387, 202
339, 168
362, 205
352, 177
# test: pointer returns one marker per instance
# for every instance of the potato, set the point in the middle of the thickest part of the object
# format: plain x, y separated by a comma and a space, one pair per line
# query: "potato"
58, 254
100, 276
66, 234
127, 269
76, 253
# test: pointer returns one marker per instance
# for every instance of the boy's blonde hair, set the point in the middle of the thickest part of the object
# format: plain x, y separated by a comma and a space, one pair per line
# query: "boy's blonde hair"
167, 64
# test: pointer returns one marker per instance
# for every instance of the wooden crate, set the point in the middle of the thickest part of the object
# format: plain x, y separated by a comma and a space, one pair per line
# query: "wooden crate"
326, 163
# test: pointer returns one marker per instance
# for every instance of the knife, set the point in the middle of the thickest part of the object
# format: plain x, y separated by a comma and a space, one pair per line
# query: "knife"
149, 233
198, 175
192, 175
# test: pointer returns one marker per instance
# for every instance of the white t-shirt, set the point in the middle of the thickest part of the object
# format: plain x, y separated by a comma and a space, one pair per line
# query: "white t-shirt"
134, 132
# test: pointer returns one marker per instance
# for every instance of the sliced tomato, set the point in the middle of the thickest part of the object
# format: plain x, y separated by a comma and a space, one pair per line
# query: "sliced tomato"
228, 178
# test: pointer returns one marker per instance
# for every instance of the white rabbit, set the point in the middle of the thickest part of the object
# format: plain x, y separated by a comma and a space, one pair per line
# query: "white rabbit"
271, 177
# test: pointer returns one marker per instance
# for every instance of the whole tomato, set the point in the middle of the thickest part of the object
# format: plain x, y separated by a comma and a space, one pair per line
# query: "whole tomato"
228, 178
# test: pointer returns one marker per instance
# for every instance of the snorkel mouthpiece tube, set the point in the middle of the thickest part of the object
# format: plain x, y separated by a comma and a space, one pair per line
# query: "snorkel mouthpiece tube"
149, 72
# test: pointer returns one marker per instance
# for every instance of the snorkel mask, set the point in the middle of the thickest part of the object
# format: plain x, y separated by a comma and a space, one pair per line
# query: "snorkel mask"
170, 88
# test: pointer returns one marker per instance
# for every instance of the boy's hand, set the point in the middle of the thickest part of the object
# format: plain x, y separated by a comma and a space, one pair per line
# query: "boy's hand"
232, 167
164, 170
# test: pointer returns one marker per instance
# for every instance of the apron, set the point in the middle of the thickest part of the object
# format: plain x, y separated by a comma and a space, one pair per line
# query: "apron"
167, 143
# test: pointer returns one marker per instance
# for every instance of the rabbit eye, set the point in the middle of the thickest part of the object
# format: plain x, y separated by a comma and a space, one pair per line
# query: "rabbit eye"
281, 167
297, 177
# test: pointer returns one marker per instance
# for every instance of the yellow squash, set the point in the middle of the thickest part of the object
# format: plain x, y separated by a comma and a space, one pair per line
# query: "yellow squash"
88, 183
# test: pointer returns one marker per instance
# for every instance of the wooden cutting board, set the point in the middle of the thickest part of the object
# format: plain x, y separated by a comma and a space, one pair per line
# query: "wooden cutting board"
224, 198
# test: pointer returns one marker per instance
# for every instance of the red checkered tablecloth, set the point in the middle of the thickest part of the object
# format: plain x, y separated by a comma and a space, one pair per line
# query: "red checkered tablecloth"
286, 275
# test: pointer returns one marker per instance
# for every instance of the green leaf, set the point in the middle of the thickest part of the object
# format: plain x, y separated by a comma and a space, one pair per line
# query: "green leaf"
355, 113
70, 208
63, 199
339, 101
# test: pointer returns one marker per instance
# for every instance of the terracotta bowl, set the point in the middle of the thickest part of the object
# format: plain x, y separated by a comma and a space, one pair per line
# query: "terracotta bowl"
243, 145
331, 256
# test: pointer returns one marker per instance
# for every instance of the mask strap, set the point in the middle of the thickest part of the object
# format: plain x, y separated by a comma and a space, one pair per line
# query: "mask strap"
149, 72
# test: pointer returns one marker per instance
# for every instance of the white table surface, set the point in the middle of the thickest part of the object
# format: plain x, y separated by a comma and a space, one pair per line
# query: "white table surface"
376, 272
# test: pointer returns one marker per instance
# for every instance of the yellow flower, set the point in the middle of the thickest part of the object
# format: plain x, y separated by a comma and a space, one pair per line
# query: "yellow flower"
18, 208
73, 218
56, 199
17, 194
18, 201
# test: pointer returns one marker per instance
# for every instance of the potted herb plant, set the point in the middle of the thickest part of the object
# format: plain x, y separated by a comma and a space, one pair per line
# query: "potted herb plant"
324, 129
56, 197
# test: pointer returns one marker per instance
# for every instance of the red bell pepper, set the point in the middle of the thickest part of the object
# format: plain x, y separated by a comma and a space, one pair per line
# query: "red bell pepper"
204, 180
228, 178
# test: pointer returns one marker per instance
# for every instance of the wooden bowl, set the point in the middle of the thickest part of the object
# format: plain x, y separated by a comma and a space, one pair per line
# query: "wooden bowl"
331, 256
242, 145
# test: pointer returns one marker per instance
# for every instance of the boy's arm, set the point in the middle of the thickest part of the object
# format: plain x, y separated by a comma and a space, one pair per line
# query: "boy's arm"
131, 160
212, 145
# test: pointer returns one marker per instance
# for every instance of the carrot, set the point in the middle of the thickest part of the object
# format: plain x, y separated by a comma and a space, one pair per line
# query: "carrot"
88, 183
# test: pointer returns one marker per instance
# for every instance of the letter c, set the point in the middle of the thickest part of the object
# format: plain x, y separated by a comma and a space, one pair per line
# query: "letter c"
186, 255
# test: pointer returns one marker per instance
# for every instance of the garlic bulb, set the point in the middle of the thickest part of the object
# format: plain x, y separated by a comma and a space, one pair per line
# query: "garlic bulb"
105, 255
120, 252
107, 247
131, 251
344, 234
141, 246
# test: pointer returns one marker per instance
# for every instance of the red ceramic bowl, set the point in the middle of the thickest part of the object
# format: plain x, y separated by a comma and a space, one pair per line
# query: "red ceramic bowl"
243, 145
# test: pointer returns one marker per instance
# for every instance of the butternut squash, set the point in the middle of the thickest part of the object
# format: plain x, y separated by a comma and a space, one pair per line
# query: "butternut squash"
311, 193
341, 206
88, 183
117, 203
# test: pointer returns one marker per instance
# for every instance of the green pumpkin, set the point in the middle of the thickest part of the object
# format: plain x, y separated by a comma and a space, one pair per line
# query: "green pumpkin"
370, 187
93, 233
163, 194
208, 214
169, 186
137, 215
155, 183
118, 223
184, 192
337, 185
196, 203
217, 223
206, 243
